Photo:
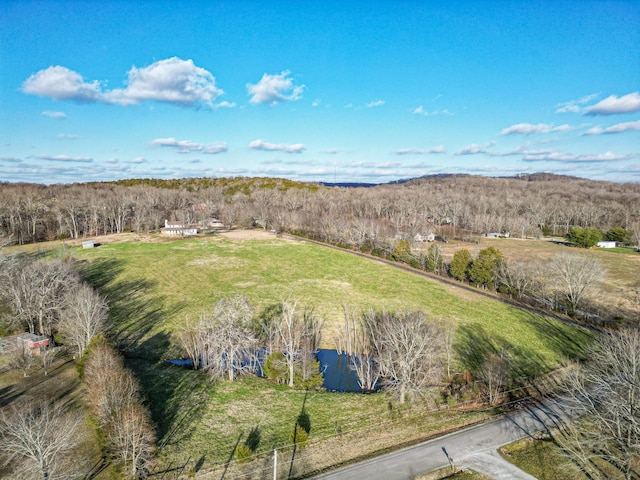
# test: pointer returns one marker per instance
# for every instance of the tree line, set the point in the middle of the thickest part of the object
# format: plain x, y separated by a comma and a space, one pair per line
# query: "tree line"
449, 206
47, 297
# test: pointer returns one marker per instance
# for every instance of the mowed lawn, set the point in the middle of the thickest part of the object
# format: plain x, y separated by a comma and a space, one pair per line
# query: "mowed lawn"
153, 286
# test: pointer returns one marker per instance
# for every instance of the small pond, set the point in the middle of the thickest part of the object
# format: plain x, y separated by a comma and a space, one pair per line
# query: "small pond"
335, 367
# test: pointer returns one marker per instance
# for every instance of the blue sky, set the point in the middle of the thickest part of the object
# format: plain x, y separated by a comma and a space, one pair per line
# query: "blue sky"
365, 91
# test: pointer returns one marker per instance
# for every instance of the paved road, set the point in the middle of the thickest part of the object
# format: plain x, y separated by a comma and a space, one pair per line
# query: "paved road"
466, 446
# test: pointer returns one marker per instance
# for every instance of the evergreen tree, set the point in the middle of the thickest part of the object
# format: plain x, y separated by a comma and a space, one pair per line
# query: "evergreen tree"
584, 237
484, 269
460, 264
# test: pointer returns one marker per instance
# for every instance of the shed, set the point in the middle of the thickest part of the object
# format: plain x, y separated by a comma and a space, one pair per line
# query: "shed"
32, 341
88, 244
607, 244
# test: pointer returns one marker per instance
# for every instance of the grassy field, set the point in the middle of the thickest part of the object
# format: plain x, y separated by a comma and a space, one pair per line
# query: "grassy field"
618, 288
154, 284
541, 458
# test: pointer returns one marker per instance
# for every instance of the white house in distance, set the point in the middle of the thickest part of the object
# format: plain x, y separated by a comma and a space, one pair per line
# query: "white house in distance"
606, 244
429, 237
179, 229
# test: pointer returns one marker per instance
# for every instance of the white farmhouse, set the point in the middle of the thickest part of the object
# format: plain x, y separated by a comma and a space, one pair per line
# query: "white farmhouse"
179, 229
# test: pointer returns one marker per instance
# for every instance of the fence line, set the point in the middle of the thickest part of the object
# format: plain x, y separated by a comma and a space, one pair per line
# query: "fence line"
353, 442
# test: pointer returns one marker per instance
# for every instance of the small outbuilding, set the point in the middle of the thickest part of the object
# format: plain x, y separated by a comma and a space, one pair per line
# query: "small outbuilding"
31, 341
23, 342
607, 244
88, 244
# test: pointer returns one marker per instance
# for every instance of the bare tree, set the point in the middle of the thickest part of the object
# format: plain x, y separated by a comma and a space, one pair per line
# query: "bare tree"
635, 230
606, 390
574, 275
354, 341
230, 341
22, 359
222, 341
517, 277
86, 315
39, 436
132, 439
48, 355
493, 373
408, 349
193, 341
37, 294
113, 395
449, 340
299, 335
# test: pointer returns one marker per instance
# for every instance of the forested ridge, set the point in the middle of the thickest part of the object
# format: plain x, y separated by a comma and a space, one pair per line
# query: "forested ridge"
447, 205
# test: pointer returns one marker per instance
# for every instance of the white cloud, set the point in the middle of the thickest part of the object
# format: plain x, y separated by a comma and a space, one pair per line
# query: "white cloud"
526, 129
420, 151
272, 89
225, 104
57, 115
617, 128
474, 149
187, 146
172, 80
421, 111
613, 105
375, 103
574, 158
138, 160
60, 83
529, 128
64, 158
593, 131
11, 159
332, 151
382, 166
573, 106
315, 103
276, 147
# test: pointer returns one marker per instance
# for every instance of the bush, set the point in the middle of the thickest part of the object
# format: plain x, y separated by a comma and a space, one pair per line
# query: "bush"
275, 367
547, 231
402, 252
243, 453
617, 234
584, 237
298, 436
313, 380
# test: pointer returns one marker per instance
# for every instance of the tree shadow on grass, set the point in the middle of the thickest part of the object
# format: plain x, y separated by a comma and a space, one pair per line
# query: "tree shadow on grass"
474, 346
134, 309
568, 341
176, 397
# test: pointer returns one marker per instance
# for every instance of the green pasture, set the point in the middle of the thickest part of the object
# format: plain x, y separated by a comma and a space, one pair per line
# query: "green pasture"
152, 287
